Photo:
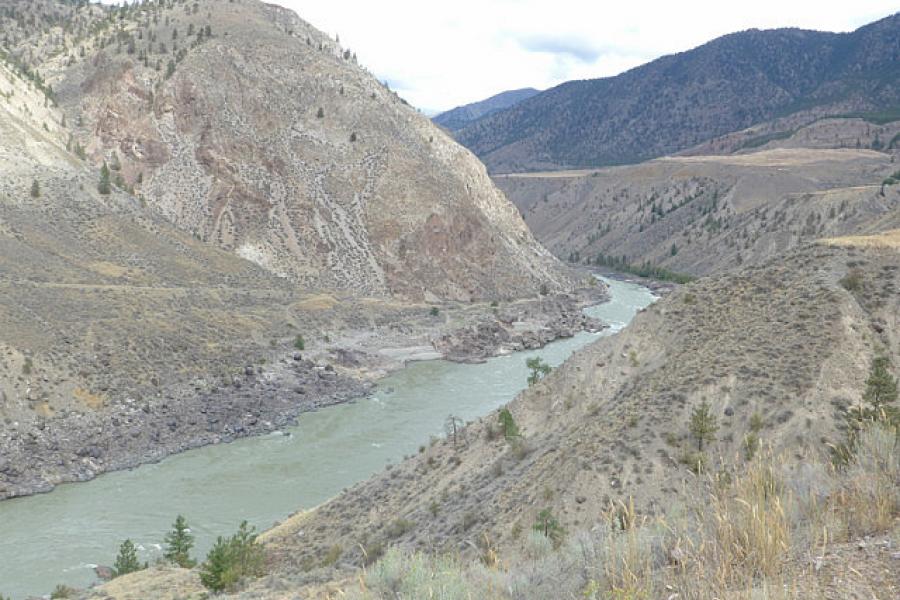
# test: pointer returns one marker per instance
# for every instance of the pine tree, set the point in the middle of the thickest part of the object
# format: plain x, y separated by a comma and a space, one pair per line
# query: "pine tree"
703, 425
231, 560
35, 189
104, 187
179, 542
127, 560
881, 387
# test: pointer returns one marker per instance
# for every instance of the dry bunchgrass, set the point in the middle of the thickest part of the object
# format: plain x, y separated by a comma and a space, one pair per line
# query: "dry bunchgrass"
744, 539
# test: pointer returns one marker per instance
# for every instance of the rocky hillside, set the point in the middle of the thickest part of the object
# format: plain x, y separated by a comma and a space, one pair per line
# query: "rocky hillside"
679, 101
461, 116
778, 352
246, 127
707, 214
170, 242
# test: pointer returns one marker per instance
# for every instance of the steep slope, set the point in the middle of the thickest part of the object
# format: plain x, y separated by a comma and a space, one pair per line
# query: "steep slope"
128, 331
121, 336
248, 128
461, 116
707, 214
679, 101
778, 351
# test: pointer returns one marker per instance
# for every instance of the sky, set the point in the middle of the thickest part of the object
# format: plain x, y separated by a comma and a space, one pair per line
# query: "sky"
441, 55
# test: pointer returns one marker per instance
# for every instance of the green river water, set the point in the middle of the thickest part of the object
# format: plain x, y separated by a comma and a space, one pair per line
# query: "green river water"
59, 537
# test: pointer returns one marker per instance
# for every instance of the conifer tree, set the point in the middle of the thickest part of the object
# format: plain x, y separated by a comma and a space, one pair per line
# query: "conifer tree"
127, 560
703, 425
881, 387
179, 542
104, 187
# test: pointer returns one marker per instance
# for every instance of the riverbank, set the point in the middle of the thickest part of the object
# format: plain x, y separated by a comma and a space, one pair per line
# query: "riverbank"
58, 537
75, 446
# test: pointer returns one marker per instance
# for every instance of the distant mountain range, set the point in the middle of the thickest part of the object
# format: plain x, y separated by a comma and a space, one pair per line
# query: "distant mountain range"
461, 116
679, 101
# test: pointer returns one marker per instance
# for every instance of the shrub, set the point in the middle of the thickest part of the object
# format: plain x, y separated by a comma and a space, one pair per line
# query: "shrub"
372, 551
508, 425
539, 369
35, 189
852, 281
233, 559
60, 591
434, 311
332, 556
299, 344
398, 527
750, 445
104, 186
548, 525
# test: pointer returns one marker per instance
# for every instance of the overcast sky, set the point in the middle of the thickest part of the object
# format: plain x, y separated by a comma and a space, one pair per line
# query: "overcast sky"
441, 55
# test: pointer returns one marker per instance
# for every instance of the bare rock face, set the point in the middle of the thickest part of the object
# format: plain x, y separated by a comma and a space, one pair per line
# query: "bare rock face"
244, 125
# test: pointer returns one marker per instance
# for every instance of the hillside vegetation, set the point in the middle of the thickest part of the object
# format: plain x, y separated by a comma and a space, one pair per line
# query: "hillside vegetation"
699, 215
677, 102
694, 453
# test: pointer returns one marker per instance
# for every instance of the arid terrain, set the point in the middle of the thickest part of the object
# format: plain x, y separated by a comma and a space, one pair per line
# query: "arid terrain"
178, 267
213, 219
779, 351
708, 214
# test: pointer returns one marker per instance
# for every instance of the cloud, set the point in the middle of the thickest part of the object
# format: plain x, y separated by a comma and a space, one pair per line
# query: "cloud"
581, 50
441, 56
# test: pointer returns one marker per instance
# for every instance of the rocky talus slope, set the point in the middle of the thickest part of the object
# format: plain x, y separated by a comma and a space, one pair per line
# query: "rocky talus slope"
708, 214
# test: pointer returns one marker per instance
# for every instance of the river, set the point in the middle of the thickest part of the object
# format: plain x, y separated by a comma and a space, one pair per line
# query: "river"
59, 537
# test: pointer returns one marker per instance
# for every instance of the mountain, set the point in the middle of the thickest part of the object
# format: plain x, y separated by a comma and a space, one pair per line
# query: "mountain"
679, 101
193, 194
245, 126
699, 215
461, 116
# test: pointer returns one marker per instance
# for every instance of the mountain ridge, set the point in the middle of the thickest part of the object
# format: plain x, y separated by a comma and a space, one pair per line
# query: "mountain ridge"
461, 116
681, 100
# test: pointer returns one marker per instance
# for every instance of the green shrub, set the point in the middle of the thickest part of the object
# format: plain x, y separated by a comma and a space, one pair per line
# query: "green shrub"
548, 525
299, 344
104, 186
539, 369
434, 311
398, 527
508, 425
852, 281
61, 591
35, 189
233, 559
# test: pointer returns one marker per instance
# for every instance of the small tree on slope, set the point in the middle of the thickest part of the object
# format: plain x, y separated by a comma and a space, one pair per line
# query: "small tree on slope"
179, 542
703, 425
